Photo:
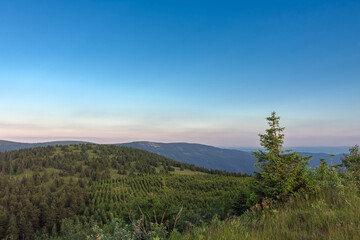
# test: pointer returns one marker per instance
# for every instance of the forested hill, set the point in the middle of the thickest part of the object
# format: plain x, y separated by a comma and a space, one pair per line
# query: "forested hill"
198, 154
46, 191
86, 159
202, 155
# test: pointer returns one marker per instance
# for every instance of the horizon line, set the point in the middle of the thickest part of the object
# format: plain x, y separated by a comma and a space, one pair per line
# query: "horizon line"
114, 143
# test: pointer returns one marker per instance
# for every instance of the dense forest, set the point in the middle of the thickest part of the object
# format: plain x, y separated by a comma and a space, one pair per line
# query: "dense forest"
42, 188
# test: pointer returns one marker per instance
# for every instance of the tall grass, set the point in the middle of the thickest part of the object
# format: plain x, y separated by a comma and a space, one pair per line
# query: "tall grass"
331, 213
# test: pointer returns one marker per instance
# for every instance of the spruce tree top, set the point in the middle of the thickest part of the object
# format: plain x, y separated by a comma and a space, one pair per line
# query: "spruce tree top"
273, 141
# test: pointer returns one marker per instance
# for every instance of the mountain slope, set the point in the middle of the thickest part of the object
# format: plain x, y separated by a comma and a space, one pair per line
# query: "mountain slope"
315, 161
201, 155
197, 154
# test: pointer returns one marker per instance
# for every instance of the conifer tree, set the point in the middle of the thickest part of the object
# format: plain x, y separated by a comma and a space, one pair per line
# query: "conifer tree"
281, 172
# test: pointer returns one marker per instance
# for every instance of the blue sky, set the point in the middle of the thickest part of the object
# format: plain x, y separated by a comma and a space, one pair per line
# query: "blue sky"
193, 71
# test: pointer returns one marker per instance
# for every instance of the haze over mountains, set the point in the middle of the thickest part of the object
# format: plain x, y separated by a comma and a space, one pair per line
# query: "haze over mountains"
198, 154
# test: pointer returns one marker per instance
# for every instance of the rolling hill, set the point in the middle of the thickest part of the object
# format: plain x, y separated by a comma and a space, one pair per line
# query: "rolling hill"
198, 154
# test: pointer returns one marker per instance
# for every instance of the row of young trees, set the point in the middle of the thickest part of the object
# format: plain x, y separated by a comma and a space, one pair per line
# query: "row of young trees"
28, 207
197, 193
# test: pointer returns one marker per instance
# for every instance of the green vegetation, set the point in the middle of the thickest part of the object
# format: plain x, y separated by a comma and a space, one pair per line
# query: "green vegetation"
285, 200
351, 161
45, 188
331, 212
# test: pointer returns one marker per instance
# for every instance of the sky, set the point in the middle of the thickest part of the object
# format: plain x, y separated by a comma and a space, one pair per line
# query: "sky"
180, 71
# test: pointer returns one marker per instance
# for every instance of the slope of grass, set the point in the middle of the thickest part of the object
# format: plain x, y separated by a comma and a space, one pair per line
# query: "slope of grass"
330, 214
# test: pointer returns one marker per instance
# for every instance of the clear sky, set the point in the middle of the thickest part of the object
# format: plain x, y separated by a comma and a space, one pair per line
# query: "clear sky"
180, 71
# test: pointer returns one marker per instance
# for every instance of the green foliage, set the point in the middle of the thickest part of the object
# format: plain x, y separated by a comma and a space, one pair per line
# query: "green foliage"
202, 196
281, 173
91, 186
244, 200
352, 161
326, 177
330, 212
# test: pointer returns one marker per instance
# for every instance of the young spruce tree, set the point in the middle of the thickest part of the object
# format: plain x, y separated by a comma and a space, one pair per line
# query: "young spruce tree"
281, 173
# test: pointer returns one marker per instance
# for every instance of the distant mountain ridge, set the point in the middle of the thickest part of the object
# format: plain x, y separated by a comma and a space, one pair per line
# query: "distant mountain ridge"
315, 161
201, 155
218, 158
9, 145
198, 154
